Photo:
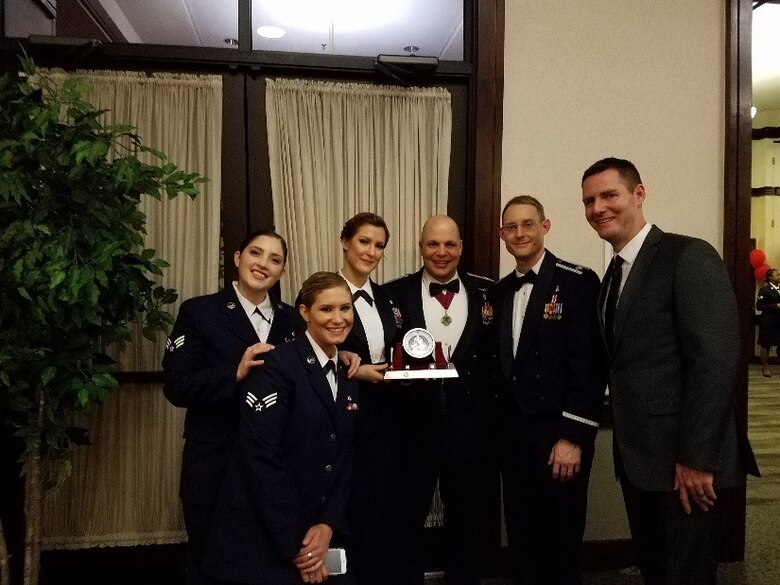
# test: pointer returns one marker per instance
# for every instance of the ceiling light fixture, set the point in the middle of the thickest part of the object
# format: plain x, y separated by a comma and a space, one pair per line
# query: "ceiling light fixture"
271, 32
753, 111
231, 42
411, 48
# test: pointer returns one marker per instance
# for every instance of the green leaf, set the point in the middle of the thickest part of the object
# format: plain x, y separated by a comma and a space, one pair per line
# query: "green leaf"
48, 374
56, 279
23, 292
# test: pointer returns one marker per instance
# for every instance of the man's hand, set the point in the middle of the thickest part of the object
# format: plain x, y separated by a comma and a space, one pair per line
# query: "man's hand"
351, 360
371, 373
565, 459
696, 485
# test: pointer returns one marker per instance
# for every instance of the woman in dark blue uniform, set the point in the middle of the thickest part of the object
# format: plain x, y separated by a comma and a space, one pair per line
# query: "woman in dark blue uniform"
768, 302
376, 508
283, 501
216, 341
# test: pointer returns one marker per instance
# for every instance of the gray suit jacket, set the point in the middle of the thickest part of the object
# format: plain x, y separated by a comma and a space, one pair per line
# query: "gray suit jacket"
673, 366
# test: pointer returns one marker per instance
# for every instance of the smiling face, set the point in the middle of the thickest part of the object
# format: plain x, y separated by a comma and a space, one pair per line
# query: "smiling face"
362, 253
260, 265
523, 232
329, 318
441, 247
612, 209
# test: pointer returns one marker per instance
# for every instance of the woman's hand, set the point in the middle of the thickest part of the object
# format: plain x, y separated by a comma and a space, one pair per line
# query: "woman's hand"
248, 360
351, 360
371, 373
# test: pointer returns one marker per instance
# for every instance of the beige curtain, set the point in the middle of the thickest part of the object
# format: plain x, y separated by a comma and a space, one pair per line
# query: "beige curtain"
124, 488
337, 149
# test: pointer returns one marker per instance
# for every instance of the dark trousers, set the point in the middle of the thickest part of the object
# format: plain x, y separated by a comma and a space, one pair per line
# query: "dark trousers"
545, 518
447, 448
197, 521
380, 551
672, 547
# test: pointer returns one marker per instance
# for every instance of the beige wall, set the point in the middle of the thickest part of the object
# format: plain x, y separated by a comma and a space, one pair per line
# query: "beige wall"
766, 118
635, 79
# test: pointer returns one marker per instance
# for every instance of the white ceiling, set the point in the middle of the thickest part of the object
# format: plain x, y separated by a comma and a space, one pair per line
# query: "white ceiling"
337, 27
766, 57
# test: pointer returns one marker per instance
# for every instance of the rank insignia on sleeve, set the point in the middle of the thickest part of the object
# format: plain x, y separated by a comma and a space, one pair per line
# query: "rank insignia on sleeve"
554, 309
262, 404
171, 344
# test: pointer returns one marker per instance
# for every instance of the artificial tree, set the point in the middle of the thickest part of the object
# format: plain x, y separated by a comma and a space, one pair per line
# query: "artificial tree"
74, 272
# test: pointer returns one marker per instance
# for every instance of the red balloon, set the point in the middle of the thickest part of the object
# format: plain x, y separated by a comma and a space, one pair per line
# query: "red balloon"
757, 258
760, 272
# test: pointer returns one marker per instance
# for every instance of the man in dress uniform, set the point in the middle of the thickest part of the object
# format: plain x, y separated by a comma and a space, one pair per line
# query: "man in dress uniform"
550, 366
445, 415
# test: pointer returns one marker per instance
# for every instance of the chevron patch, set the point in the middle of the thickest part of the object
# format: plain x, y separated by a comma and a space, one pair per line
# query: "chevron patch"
261, 404
171, 344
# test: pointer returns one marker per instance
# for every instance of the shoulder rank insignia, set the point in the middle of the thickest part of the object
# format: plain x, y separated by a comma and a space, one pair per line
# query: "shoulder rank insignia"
486, 282
171, 344
554, 309
263, 404
575, 268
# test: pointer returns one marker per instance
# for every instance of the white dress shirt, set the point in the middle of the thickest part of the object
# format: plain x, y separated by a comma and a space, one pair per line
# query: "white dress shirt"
520, 303
261, 324
369, 317
322, 359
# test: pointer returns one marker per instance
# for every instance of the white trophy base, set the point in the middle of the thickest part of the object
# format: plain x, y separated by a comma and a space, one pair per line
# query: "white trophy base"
421, 374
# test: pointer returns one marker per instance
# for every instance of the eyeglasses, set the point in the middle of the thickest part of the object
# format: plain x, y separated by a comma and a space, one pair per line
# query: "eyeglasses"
528, 225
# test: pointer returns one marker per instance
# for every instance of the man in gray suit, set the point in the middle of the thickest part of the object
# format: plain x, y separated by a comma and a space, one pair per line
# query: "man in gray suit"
670, 324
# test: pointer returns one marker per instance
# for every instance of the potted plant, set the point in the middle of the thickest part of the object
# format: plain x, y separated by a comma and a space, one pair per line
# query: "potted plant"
73, 268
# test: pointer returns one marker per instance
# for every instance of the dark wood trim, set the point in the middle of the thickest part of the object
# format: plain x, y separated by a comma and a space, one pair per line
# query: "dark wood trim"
94, 9
736, 228
766, 132
261, 205
172, 57
482, 249
765, 191
48, 6
235, 186
245, 25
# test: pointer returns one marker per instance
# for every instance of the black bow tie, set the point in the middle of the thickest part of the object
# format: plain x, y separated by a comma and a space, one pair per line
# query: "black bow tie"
436, 288
262, 315
330, 366
518, 281
361, 294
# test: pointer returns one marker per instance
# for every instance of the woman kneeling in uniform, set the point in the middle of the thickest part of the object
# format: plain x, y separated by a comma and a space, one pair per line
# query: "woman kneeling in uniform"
283, 501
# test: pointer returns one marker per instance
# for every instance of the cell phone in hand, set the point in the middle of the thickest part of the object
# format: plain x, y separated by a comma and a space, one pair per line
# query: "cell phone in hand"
336, 561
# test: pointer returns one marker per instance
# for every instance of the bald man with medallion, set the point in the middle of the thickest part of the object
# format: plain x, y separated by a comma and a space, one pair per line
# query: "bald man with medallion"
445, 425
